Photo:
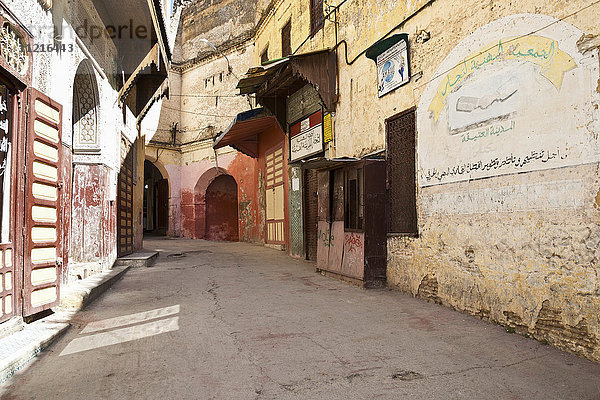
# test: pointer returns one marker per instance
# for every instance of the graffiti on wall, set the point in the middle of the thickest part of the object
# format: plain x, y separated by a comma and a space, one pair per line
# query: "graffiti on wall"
498, 110
354, 255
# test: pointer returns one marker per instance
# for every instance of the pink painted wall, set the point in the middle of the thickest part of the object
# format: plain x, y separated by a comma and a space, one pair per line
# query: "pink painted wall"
195, 179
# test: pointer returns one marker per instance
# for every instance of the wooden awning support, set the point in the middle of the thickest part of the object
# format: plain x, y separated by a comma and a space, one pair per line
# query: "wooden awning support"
152, 58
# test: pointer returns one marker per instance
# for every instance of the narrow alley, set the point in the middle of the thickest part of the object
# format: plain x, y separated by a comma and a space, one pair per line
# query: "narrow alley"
215, 320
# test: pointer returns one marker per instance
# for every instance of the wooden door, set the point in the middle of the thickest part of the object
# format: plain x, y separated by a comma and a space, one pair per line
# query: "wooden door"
311, 213
221, 201
42, 244
125, 204
162, 204
275, 197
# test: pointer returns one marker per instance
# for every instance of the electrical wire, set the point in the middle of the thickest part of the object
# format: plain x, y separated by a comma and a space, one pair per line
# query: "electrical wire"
207, 95
201, 114
384, 36
508, 41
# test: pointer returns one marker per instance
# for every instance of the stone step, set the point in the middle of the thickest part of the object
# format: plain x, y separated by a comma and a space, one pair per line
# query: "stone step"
139, 259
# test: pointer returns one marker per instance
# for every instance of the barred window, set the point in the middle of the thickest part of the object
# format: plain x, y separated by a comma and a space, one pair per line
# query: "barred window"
401, 174
317, 17
354, 214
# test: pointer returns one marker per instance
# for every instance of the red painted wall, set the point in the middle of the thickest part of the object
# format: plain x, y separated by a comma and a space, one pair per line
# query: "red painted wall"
196, 178
93, 216
65, 216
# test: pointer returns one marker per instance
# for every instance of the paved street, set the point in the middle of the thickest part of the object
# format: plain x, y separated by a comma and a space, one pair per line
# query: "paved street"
239, 321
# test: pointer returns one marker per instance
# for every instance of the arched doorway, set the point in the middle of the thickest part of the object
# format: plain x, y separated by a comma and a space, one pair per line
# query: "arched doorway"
156, 200
222, 209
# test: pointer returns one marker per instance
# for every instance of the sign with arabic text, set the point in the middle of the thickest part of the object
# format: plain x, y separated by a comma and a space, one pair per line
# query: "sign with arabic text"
306, 137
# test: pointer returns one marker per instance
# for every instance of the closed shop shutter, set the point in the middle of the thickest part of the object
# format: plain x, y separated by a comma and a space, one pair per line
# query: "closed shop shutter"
311, 204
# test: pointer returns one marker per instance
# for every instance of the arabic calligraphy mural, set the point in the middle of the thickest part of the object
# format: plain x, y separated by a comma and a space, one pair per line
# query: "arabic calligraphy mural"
502, 108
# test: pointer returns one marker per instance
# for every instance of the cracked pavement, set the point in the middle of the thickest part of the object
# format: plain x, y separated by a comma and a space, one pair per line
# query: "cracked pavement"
256, 324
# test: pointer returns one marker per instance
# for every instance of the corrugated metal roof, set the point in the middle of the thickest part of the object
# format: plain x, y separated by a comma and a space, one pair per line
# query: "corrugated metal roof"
318, 68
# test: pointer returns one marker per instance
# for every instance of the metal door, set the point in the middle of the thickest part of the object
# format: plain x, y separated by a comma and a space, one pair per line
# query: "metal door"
275, 197
42, 238
125, 205
311, 206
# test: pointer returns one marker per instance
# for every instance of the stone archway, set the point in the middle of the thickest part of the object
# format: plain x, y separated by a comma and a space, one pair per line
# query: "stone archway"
202, 230
156, 200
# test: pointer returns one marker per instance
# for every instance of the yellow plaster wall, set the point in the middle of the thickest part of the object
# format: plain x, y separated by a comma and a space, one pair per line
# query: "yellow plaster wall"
532, 270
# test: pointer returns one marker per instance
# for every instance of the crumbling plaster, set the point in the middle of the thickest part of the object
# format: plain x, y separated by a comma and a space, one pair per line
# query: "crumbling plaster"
93, 232
520, 249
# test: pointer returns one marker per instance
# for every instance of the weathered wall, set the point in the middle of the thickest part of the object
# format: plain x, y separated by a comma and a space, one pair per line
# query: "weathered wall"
197, 176
168, 162
226, 24
65, 16
519, 247
202, 104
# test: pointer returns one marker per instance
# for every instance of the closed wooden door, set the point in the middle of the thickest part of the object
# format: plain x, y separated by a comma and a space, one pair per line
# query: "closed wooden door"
7, 202
125, 205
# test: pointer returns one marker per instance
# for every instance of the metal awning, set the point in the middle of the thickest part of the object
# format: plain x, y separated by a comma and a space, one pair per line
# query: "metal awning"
243, 132
381, 46
145, 67
284, 76
322, 163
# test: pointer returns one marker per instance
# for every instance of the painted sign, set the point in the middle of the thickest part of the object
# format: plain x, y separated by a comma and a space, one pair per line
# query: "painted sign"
328, 128
306, 137
393, 68
501, 108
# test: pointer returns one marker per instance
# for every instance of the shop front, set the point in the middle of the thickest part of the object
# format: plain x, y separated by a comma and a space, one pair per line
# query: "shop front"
351, 238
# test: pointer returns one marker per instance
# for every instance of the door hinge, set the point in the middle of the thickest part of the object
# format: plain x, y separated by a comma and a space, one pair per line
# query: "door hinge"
24, 231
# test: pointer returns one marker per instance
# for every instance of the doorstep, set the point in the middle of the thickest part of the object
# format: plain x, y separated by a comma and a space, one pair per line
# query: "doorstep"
139, 259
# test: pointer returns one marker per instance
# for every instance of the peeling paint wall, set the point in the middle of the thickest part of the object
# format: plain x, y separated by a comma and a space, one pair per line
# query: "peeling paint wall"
89, 245
203, 103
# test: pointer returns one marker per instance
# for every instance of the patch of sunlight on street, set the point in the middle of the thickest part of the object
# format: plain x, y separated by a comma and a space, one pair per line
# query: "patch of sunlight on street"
129, 319
114, 336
